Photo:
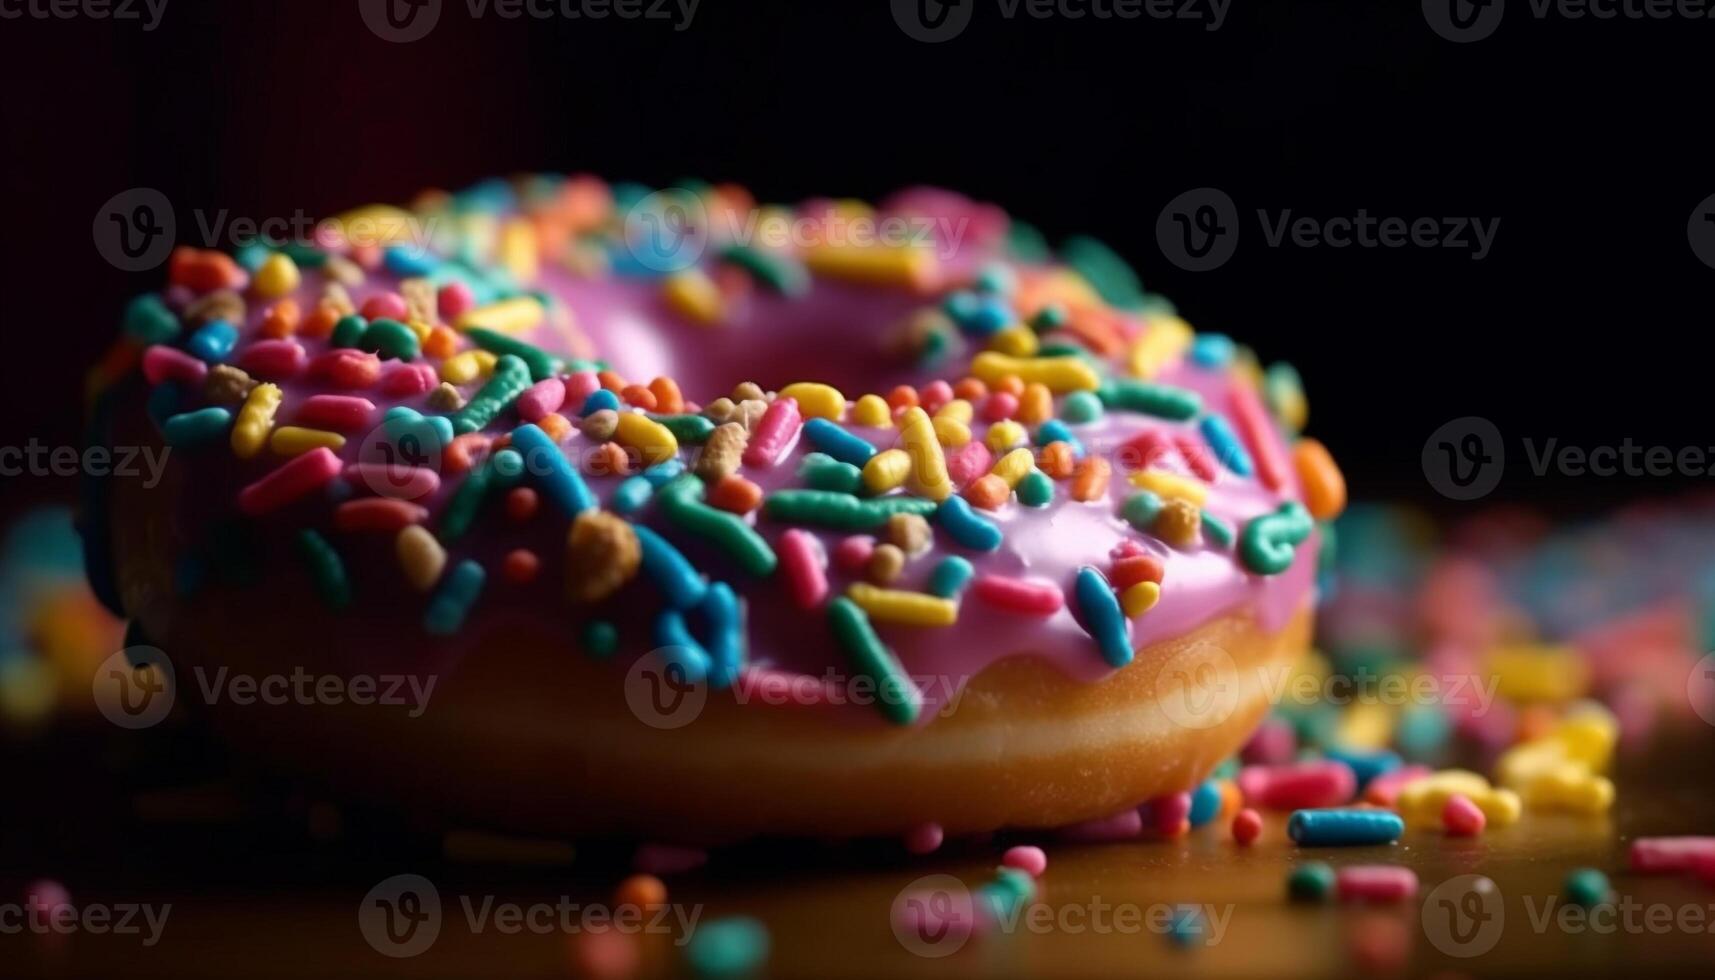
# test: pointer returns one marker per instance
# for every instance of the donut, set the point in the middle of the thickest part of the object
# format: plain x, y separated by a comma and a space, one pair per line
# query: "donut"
568, 508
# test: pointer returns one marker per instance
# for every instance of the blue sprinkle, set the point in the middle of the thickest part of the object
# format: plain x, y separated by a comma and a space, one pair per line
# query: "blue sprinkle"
1344, 828
600, 399
413, 438
252, 255
950, 577
507, 468
966, 527
631, 494
980, 315
1055, 430
1366, 765
726, 635
1186, 926
402, 261
996, 278
551, 469
214, 342
453, 600
662, 474
1205, 802
834, 440
1212, 350
677, 648
668, 568
1103, 619
1225, 442
195, 428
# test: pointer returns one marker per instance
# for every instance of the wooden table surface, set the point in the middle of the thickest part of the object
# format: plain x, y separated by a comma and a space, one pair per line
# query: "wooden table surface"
253, 894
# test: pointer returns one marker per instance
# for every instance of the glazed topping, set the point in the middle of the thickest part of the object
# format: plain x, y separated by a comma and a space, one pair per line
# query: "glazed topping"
534, 404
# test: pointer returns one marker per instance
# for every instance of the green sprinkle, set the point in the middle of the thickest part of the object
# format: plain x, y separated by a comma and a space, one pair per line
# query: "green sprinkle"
996, 278
195, 428
600, 639
682, 502
823, 472
783, 276
1026, 243
511, 378
148, 320
951, 576
1080, 407
1219, 532
1588, 888
1310, 882
391, 339
349, 331
691, 429
305, 256
1268, 543
896, 696
935, 347
507, 466
841, 511
326, 568
1140, 509
1050, 317
1149, 398
542, 365
1104, 270
452, 602
466, 501
728, 947
1035, 489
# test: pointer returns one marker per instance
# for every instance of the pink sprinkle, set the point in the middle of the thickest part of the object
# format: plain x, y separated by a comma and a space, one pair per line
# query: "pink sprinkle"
453, 300
1384, 789
385, 306
1703, 866
801, 560
853, 553
1304, 785
272, 360
1462, 818
163, 363
968, 462
667, 859
1169, 814
1123, 825
1655, 855
581, 385
1258, 432
1274, 742
1144, 450
541, 398
1000, 405
297, 477
1027, 858
342, 413
1375, 883
1247, 826
377, 514
1127, 548
924, 838
404, 380
47, 894
347, 368
774, 433
393, 480
1019, 595
1197, 455
934, 395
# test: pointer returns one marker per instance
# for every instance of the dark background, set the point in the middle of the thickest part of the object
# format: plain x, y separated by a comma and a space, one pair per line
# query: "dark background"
1587, 138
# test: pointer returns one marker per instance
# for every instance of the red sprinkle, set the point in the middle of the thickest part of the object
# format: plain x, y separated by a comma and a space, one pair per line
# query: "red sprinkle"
162, 363
1144, 450
403, 380
801, 561
852, 554
520, 566
342, 413
297, 477
1197, 455
377, 514
453, 300
1257, 430
393, 480
1247, 825
347, 368
272, 360
521, 503
1462, 818
385, 306
1305, 785
1127, 572
1019, 595
1000, 405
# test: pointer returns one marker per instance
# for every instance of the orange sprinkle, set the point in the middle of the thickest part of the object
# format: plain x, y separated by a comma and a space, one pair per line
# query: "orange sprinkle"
281, 319
970, 389
901, 397
557, 426
1129, 571
1010, 384
607, 459
668, 400
320, 322
612, 382
640, 396
1056, 460
1090, 478
1036, 404
642, 891
442, 342
988, 492
521, 504
736, 494
520, 565
1324, 487
464, 451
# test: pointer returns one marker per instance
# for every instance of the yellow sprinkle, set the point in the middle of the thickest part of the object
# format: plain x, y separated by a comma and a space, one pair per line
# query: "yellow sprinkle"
292, 440
419, 328
1585, 739
928, 476
485, 361
507, 316
1422, 800
377, 225
816, 401
1060, 374
951, 432
1570, 787
693, 295
647, 436
886, 470
255, 420
908, 608
1005, 434
1366, 726
873, 411
1171, 485
277, 276
910, 266
461, 369
421, 556
957, 409
1014, 466
1166, 338
518, 251
1140, 598
1015, 341
1538, 673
